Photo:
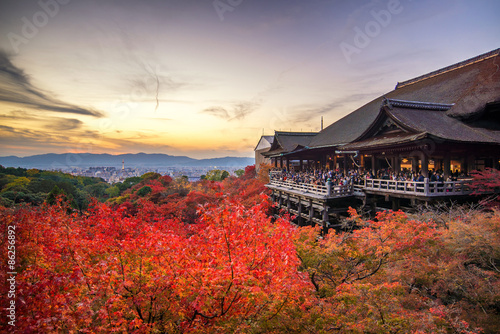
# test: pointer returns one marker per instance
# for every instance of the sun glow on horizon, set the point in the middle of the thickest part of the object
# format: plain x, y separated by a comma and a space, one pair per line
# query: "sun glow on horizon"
172, 77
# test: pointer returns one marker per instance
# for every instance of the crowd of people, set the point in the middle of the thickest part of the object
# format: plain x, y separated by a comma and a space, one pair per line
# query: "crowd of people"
358, 177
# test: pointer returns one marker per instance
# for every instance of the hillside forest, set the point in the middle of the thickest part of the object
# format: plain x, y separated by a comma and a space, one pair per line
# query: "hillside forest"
160, 255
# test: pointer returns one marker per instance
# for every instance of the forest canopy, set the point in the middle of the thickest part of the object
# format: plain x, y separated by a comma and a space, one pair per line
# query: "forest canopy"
157, 255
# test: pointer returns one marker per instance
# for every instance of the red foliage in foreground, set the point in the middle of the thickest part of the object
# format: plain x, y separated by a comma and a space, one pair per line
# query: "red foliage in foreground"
144, 267
487, 182
107, 271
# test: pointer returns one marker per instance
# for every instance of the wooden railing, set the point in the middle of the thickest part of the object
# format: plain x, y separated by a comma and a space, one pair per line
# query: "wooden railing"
274, 174
425, 188
328, 190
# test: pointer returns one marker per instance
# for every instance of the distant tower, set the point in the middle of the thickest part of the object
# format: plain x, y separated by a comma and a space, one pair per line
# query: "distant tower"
123, 164
321, 123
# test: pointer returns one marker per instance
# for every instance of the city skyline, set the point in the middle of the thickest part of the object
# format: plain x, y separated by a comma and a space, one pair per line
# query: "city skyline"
207, 78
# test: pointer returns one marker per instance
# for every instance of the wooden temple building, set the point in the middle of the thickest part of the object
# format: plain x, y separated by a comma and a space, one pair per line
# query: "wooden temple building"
447, 120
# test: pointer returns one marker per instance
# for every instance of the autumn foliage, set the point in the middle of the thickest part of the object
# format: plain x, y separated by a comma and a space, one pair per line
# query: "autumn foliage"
487, 182
208, 257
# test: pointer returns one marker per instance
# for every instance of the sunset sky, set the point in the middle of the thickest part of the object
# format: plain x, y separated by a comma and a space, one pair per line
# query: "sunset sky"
207, 78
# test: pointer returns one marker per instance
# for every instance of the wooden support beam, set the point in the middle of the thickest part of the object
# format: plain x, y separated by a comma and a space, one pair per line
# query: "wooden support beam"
325, 215
395, 204
446, 166
375, 166
414, 164
471, 159
299, 211
425, 165
397, 164
345, 164
311, 212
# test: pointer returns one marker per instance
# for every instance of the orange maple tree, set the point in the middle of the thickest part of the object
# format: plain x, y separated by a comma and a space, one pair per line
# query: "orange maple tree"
109, 271
209, 257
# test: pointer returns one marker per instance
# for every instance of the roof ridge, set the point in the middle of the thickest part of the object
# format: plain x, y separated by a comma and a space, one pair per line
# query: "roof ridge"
295, 133
417, 104
449, 68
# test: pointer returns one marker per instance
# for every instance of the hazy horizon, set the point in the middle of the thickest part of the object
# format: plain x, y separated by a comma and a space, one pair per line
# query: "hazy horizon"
207, 78
135, 153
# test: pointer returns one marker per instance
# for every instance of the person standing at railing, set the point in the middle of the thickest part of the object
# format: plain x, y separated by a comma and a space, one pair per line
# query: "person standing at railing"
420, 178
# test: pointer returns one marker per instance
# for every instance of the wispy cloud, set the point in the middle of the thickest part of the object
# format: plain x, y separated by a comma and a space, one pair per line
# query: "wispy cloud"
65, 124
22, 117
237, 111
16, 88
218, 112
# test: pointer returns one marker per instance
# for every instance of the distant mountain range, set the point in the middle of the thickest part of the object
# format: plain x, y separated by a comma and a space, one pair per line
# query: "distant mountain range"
85, 160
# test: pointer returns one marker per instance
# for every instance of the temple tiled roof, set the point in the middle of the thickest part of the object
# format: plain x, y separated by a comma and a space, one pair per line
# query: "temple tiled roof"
460, 92
288, 141
383, 141
440, 125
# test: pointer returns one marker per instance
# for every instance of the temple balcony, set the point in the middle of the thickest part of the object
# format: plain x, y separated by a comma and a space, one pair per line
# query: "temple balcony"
401, 189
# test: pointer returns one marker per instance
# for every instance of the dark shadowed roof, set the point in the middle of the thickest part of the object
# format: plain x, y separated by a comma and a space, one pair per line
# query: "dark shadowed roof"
440, 125
416, 120
468, 85
288, 141
383, 141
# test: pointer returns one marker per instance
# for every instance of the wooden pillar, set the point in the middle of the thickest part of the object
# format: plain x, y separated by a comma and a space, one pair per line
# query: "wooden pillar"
425, 165
373, 205
301, 162
288, 203
281, 162
374, 166
395, 204
361, 161
311, 212
287, 164
345, 164
299, 211
426, 186
446, 166
470, 163
325, 215
463, 165
397, 164
438, 164
414, 164
334, 162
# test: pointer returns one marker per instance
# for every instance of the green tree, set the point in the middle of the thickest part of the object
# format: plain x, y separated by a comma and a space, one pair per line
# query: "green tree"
128, 183
19, 184
150, 176
97, 190
144, 191
41, 186
53, 194
113, 191
217, 175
